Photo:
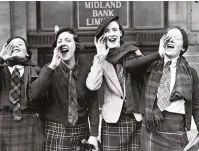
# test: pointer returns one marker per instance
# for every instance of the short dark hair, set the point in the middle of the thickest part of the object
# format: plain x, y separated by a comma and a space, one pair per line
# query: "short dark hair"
26, 44
184, 36
76, 39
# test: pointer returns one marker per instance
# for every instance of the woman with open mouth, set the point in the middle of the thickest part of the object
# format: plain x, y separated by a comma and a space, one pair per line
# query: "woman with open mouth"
171, 96
116, 68
70, 104
20, 126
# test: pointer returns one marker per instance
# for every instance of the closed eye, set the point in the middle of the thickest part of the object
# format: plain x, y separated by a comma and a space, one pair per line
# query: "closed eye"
114, 29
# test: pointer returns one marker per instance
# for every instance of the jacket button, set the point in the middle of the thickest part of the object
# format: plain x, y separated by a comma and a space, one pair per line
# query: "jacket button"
121, 97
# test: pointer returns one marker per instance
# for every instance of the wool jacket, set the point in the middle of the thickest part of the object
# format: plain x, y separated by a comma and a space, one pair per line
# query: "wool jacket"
30, 74
100, 73
56, 106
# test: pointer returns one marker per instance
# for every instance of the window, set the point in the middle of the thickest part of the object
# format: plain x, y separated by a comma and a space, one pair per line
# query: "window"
148, 15
55, 13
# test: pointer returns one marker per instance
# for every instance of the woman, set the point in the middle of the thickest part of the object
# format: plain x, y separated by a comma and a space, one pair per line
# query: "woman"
20, 126
171, 97
69, 103
115, 68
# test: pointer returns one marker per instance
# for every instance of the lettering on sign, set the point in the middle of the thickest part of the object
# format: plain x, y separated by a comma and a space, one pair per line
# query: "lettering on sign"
90, 14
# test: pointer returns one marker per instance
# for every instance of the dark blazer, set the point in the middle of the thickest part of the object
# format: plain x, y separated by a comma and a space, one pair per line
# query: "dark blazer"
56, 107
30, 74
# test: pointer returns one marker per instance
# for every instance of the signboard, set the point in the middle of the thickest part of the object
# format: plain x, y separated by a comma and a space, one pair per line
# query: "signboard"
91, 13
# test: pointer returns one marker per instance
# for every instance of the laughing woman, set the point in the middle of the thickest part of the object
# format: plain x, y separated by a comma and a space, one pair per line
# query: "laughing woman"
115, 68
70, 103
171, 97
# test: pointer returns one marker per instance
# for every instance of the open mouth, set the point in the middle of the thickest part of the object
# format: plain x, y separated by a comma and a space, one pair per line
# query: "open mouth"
170, 46
16, 50
112, 39
64, 49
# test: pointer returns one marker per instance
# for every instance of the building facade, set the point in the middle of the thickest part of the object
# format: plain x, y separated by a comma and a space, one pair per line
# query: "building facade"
144, 23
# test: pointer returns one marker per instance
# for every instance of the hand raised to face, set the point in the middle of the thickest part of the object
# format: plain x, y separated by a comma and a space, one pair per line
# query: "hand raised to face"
100, 45
57, 57
6, 51
163, 42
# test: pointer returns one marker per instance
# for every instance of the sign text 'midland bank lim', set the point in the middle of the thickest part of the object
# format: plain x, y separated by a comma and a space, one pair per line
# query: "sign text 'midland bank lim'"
91, 13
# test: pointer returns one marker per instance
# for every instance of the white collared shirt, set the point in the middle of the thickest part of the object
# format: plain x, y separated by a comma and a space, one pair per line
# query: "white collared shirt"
20, 68
176, 106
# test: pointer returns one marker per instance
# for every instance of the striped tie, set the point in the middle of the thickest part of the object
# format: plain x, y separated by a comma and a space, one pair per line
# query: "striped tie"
120, 75
164, 88
72, 95
14, 94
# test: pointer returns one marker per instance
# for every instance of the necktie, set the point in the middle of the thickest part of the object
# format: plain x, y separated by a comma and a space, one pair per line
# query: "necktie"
120, 75
14, 94
72, 96
164, 88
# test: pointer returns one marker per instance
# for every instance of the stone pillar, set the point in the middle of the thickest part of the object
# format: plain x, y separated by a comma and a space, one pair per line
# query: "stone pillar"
172, 13
32, 25
5, 31
18, 19
31, 16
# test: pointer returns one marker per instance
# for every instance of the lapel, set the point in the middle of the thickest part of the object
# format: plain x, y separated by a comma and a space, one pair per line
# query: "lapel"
29, 76
111, 78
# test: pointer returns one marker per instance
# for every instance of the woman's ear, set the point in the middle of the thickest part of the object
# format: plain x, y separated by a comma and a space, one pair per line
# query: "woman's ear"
27, 56
182, 50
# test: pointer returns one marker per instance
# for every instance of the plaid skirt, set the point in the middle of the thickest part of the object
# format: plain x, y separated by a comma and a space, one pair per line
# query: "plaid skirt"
25, 135
62, 138
171, 136
121, 136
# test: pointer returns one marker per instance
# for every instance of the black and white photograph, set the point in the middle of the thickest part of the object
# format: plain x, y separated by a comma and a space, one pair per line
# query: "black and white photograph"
99, 75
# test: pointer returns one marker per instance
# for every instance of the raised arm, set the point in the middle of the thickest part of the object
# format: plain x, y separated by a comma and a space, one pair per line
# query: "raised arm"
44, 81
94, 79
136, 64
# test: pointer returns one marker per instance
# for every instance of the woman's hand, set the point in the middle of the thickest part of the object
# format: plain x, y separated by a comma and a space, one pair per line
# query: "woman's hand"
6, 51
57, 57
163, 42
100, 45
93, 140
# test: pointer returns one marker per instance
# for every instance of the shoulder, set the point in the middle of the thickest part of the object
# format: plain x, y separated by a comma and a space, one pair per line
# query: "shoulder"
129, 47
37, 69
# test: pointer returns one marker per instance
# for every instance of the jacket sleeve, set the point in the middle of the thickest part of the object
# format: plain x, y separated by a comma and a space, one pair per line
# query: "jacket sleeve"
195, 99
94, 79
136, 65
42, 83
93, 113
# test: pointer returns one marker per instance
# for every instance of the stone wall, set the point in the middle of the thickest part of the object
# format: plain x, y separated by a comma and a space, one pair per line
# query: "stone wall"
5, 25
185, 14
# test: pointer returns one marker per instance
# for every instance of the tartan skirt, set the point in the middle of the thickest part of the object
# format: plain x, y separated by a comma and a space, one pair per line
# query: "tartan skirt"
25, 135
64, 138
171, 136
121, 136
